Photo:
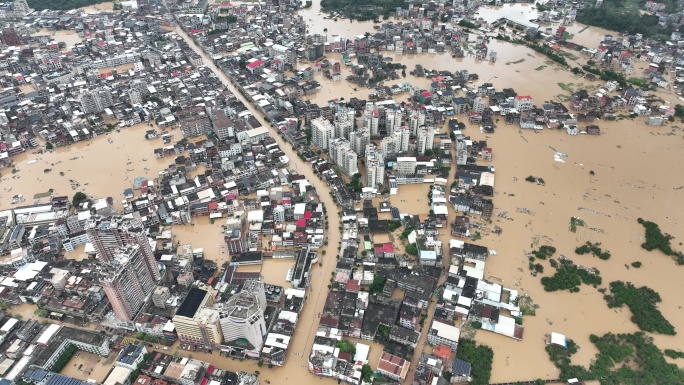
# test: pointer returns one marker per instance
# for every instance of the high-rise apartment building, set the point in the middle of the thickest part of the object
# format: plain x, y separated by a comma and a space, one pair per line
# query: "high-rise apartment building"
342, 155
375, 166
321, 132
426, 139
344, 122
126, 281
416, 119
109, 233
358, 141
242, 317
129, 269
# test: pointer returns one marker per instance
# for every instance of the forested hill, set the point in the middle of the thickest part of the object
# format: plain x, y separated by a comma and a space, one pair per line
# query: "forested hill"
62, 5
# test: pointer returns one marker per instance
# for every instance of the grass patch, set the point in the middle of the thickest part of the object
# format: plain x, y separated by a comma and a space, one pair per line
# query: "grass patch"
570, 277
642, 303
594, 249
574, 222
656, 240
540, 68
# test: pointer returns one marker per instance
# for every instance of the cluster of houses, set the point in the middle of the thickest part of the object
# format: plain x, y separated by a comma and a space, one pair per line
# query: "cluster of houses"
37, 352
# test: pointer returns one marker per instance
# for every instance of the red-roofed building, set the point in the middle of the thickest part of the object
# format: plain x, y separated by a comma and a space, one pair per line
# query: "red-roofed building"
393, 367
301, 223
307, 215
523, 103
352, 286
443, 352
560, 33
255, 65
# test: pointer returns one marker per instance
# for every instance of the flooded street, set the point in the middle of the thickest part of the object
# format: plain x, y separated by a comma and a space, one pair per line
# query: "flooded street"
634, 177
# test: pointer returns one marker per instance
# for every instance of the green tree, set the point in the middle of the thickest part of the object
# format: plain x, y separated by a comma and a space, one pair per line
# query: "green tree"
411, 249
642, 303
366, 373
480, 358
49, 146
79, 198
346, 347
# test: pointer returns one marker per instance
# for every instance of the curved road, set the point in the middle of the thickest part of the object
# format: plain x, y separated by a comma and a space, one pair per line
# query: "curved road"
308, 319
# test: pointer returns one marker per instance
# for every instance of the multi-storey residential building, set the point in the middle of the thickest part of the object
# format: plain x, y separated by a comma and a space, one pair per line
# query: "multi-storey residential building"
393, 119
393, 367
405, 138
288, 54
322, 131
160, 295
391, 145
242, 317
426, 139
479, 104
107, 234
523, 103
223, 125
375, 166
127, 281
358, 141
371, 119
416, 119
443, 334
343, 156
345, 122
95, 101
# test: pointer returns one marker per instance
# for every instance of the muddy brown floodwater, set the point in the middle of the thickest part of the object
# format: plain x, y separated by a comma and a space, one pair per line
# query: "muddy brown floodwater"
637, 170
103, 166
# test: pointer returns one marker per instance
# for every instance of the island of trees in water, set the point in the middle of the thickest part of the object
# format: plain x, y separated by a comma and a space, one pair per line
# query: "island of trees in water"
622, 359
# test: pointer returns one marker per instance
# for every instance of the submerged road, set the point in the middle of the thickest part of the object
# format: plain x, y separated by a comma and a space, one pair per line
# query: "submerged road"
307, 324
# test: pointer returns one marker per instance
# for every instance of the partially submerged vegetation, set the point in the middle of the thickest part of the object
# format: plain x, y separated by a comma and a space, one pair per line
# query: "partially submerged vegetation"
642, 303
622, 359
570, 277
574, 222
594, 249
674, 353
656, 240
544, 252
